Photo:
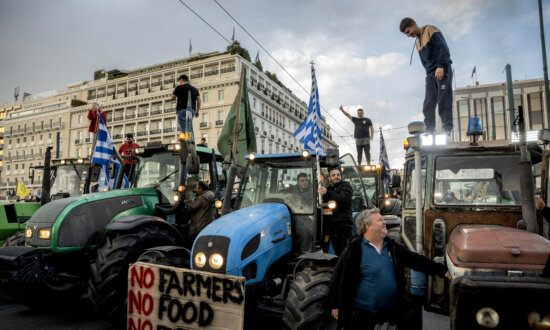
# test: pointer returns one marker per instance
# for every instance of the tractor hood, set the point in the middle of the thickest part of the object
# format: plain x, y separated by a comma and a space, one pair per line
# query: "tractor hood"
80, 221
256, 235
483, 249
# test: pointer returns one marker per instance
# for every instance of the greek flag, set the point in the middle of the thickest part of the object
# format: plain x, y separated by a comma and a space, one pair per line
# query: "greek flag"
257, 57
104, 155
309, 133
233, 36
190, 46
384, 159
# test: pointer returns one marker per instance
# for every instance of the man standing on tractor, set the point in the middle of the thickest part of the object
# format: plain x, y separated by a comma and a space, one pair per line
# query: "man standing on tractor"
364, 131
340, 223
188, 104
368, 283
126, 150
436, 59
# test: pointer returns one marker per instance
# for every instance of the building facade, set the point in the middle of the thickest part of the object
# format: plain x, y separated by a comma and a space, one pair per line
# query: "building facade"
139, 102
490, 103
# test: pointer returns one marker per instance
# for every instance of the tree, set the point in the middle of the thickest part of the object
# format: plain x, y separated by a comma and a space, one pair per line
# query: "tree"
235, 48
258, 65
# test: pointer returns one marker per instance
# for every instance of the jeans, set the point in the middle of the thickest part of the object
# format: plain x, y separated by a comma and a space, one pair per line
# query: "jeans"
184, 117
360, 149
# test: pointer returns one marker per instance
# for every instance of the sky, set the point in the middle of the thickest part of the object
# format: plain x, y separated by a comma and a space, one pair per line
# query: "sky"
361, 58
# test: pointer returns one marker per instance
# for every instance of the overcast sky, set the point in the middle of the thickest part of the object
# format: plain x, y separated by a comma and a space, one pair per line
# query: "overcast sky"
361, 57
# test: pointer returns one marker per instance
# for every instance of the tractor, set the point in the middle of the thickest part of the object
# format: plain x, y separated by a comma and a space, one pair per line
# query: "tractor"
64, 181
274, 239
469, 207
80, 247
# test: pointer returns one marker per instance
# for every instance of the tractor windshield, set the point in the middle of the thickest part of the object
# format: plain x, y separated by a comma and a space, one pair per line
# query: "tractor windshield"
158, 168
483, 180
68, 179
279, 180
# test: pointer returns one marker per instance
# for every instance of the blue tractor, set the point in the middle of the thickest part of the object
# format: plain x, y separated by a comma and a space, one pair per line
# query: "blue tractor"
276, 237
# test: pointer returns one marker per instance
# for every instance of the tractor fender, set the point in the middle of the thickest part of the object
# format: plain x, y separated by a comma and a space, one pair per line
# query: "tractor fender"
132, 222
318, 258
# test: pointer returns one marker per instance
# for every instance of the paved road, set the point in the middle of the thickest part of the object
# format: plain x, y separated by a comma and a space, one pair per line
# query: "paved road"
19, 317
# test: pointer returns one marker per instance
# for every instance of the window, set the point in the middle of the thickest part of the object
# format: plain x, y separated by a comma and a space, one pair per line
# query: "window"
534, 102
220, 95
32, 138
205, 98
221, 114
80, 119
254, 103
204, 117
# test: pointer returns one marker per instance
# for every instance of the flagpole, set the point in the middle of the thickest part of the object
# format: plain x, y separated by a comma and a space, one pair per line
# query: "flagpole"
226, 208
90, 165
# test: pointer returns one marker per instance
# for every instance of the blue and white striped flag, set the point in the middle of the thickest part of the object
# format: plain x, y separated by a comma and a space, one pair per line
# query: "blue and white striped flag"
309, 133
104, 155
384, 159
190, 46
233, 36
257, 57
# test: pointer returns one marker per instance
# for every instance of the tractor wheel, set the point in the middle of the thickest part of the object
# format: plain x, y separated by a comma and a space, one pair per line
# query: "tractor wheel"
307, 304
17, 239
109, 282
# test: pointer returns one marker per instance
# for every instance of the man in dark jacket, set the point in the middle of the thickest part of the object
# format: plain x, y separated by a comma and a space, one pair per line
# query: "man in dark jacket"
436, 59
202, 209
368, 284
340, 223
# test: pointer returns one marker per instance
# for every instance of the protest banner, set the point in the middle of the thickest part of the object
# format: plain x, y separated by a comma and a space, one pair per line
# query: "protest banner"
167, 298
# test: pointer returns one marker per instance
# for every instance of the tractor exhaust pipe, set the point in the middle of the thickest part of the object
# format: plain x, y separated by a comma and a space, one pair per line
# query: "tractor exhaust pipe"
527, 186
46, 177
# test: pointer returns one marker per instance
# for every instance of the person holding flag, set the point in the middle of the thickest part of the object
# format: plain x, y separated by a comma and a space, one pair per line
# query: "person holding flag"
93, 115
104, 155
383, 160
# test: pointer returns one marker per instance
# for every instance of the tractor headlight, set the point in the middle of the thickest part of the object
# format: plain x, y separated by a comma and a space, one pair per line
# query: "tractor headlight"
177, 147
200, 259
305, 154
252, 156
218, 204
80, 161
62, 162
331, 204
176, 197
216, 261
487, 317
28, 232
387, 202
45, 233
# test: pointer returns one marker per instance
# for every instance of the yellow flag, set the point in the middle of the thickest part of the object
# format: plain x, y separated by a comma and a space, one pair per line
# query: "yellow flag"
22, 191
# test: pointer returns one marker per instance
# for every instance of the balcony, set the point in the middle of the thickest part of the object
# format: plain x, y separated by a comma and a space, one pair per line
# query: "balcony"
156, 112
271, 137
143, 114
230, 69
156, 83
264, 133
131, 89
197, 75
219, 123
88, 140
204, 125
118, 118
130, 116
100, 95
170, 110
111, 93
169, 130
117, 136
77, 141
144, 86
211, 73
169, 81
155, 131
142, 133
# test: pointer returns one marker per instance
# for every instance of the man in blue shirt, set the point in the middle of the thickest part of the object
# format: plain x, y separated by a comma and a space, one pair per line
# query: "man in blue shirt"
368, 284
436, 59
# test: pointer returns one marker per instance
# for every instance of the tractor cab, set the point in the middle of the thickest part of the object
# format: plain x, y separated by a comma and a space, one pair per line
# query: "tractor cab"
67, 177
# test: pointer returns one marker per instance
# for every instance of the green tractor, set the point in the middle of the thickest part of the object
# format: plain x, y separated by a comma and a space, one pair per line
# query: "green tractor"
107, 229
65, 180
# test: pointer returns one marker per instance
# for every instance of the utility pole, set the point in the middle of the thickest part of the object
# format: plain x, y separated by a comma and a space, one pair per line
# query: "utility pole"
511, 110
544, 65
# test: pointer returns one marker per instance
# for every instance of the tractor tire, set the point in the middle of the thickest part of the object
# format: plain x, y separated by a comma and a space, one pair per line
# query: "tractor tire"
307, 304
109, 281
17, 239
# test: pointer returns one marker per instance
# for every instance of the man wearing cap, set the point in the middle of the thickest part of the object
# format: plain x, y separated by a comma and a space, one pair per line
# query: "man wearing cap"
126, 150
